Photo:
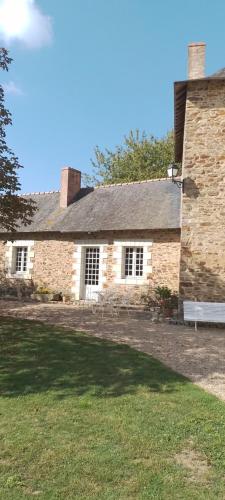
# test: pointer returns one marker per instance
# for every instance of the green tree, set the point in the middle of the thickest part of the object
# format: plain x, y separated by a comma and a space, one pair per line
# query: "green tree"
140, 157
13, 208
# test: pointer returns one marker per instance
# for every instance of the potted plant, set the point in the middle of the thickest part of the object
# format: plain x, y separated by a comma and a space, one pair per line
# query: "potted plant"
166, 300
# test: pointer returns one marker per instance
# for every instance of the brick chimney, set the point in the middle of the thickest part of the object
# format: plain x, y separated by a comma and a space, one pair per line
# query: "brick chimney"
70, 185
196, 60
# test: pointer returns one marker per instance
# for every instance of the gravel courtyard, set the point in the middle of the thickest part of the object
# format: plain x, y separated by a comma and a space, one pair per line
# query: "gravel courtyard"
200, 355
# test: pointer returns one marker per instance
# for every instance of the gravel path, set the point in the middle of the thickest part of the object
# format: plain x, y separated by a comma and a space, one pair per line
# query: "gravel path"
200, 355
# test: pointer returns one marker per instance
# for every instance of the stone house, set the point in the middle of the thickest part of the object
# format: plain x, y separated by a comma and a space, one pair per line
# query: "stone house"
83, 240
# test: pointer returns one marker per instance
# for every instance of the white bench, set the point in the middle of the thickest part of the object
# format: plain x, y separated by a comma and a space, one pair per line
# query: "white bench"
207, 312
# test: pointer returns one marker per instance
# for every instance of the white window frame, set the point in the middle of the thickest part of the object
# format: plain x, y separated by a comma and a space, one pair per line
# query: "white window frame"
79, 267
23, 260
119, 262
91, 269
133, 275
11, 247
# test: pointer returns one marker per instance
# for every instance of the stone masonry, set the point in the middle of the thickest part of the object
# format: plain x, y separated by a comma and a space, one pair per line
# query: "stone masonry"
54, 258
202, 268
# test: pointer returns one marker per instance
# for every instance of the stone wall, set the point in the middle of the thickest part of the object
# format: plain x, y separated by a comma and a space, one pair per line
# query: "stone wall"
54, 258
202, 270
53, 264
165, 257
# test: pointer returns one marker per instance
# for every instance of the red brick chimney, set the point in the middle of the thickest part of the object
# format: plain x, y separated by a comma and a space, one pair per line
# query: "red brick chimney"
196, 60
70, 185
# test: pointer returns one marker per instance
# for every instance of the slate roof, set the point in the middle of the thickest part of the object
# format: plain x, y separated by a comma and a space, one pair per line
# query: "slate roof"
219, 74
146, 205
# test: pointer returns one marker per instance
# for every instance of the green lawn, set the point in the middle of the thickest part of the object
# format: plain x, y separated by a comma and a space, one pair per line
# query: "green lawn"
85, 418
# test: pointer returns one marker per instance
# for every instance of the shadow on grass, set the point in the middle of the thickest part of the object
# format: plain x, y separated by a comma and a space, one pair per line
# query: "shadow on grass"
36, 358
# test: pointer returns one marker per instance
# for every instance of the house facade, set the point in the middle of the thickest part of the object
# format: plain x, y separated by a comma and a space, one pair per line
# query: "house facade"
83, 240
150, 233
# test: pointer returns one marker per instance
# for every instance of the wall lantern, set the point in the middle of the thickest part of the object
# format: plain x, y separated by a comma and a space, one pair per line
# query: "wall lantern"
172, 172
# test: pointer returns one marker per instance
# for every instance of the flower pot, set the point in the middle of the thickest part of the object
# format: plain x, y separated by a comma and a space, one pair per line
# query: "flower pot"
42, 297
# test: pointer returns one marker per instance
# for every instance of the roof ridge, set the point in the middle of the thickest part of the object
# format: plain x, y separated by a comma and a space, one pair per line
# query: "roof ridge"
132, 182
39, 192
219, 73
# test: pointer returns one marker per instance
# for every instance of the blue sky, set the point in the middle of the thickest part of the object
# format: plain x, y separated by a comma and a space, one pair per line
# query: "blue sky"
107, 66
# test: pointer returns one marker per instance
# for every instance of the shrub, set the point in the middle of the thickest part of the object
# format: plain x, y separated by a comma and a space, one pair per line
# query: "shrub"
161, 296
163, 293
43, 289
10, 287
148, 297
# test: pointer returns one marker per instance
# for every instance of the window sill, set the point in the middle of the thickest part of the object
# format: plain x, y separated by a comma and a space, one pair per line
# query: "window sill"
130, 281
23, 276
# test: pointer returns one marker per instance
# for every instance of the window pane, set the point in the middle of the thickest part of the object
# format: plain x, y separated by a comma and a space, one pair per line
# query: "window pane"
18, 259
129, 259
134, 261
92, 266
139, 262
21, 259
24, 259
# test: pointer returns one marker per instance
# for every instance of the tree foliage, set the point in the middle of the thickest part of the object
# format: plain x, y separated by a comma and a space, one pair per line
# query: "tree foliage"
14, 209
140, 157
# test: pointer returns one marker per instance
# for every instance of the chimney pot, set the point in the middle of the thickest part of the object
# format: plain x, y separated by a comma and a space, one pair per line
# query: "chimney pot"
196, 60
70, 185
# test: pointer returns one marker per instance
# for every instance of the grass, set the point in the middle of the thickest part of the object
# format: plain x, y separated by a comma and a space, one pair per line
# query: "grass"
89, 419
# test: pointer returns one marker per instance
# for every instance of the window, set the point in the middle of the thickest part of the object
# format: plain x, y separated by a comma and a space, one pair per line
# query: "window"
92, 266
134, 262
21, 259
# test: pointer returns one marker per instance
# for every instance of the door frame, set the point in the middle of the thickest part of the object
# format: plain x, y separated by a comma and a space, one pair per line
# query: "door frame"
78, 287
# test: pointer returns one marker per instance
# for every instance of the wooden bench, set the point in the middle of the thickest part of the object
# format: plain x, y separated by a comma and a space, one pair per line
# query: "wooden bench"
207, 312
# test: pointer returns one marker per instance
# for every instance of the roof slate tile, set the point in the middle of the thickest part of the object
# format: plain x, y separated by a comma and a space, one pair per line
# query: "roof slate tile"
145, 205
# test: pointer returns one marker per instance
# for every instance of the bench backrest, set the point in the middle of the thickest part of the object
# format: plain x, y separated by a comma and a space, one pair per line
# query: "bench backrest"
211, 312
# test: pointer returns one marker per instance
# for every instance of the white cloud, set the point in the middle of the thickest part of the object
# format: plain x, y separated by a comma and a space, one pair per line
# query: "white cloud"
12, 88
23, 21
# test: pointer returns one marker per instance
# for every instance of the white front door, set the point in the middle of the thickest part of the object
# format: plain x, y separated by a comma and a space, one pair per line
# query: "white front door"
91, 273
